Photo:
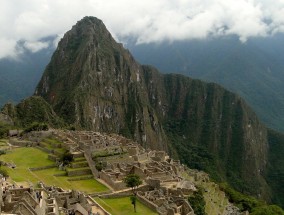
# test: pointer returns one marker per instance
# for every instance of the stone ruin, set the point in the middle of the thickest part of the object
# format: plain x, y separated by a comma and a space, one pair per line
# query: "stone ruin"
164, 190
45, 200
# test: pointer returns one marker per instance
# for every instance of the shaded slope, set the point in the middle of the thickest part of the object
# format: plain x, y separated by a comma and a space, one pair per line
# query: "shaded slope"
254, 70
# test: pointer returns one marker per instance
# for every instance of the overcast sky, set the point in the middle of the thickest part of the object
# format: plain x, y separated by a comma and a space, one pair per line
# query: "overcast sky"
146, 20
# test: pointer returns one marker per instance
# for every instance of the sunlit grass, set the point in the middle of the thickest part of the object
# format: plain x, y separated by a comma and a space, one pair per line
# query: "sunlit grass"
122, 206
25, 158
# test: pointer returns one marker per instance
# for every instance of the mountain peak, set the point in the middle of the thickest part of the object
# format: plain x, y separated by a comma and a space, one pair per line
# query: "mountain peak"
94, 83
89, 23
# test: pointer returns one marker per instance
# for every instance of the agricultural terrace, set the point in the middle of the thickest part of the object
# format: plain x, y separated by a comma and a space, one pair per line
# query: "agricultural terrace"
25, 158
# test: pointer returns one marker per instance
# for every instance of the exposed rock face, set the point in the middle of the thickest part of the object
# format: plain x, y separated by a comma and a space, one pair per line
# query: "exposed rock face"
95, 83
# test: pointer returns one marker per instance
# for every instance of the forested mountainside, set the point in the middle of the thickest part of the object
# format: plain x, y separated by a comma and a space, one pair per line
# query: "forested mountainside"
30, 110
254, 69
94, 83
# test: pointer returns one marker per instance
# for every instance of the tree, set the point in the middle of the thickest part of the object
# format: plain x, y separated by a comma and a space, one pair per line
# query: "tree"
133, 202
133, 181
66, 158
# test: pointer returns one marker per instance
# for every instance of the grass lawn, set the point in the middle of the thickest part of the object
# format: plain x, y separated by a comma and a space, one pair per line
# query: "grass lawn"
24, 158
3, 144
122, 206
54, 144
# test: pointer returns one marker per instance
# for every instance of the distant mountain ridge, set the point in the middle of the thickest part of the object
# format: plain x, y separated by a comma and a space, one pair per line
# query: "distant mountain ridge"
94, 83
19, 77
254, 70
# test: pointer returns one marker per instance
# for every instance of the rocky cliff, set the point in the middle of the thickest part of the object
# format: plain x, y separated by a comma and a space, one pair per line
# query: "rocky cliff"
94, 83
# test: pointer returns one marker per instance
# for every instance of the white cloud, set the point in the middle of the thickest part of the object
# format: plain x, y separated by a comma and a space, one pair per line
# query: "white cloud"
147, 20
35, 46
8, 48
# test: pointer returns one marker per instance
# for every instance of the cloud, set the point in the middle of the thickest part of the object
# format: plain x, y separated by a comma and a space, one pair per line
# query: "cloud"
8, 48
35, 46
146, 21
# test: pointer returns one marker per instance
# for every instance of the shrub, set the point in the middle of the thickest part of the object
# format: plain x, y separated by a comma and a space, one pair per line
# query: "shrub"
66, 158
36, 126
99, 166
244, 202
4, 129
267, 210
4, 172
197, 202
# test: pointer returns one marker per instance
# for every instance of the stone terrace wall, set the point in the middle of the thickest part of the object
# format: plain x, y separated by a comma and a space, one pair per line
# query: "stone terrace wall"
115, 185
146, 202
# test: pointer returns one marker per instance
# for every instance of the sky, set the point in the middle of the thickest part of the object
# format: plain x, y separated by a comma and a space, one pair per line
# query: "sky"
30, 21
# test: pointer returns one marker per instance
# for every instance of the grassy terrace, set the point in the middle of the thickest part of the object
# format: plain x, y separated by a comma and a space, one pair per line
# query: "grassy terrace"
25, 158
53, 144
3, 144
122, 206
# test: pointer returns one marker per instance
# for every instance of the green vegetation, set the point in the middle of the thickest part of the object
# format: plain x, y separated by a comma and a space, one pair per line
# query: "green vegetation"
33, 110
275, 173
99, 166
132, 181
268, 210
208, 127
4, 172
133, 200
4, 129
66, 158
240, 200
25, 158
197, 202
121, 206
36, 126
104, 154
250, 204
54, 145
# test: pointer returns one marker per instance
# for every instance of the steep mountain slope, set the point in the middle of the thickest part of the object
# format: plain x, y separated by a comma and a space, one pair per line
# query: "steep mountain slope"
275, 172
95, 83
254, 70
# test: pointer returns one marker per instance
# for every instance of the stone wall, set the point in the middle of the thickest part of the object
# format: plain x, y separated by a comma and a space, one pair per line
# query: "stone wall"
116, 185
79, 164
44, 149
90, 161
81, 178
116, 195
94, 202
43, 167
52, 157
79, 172
16, 142
146, 202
